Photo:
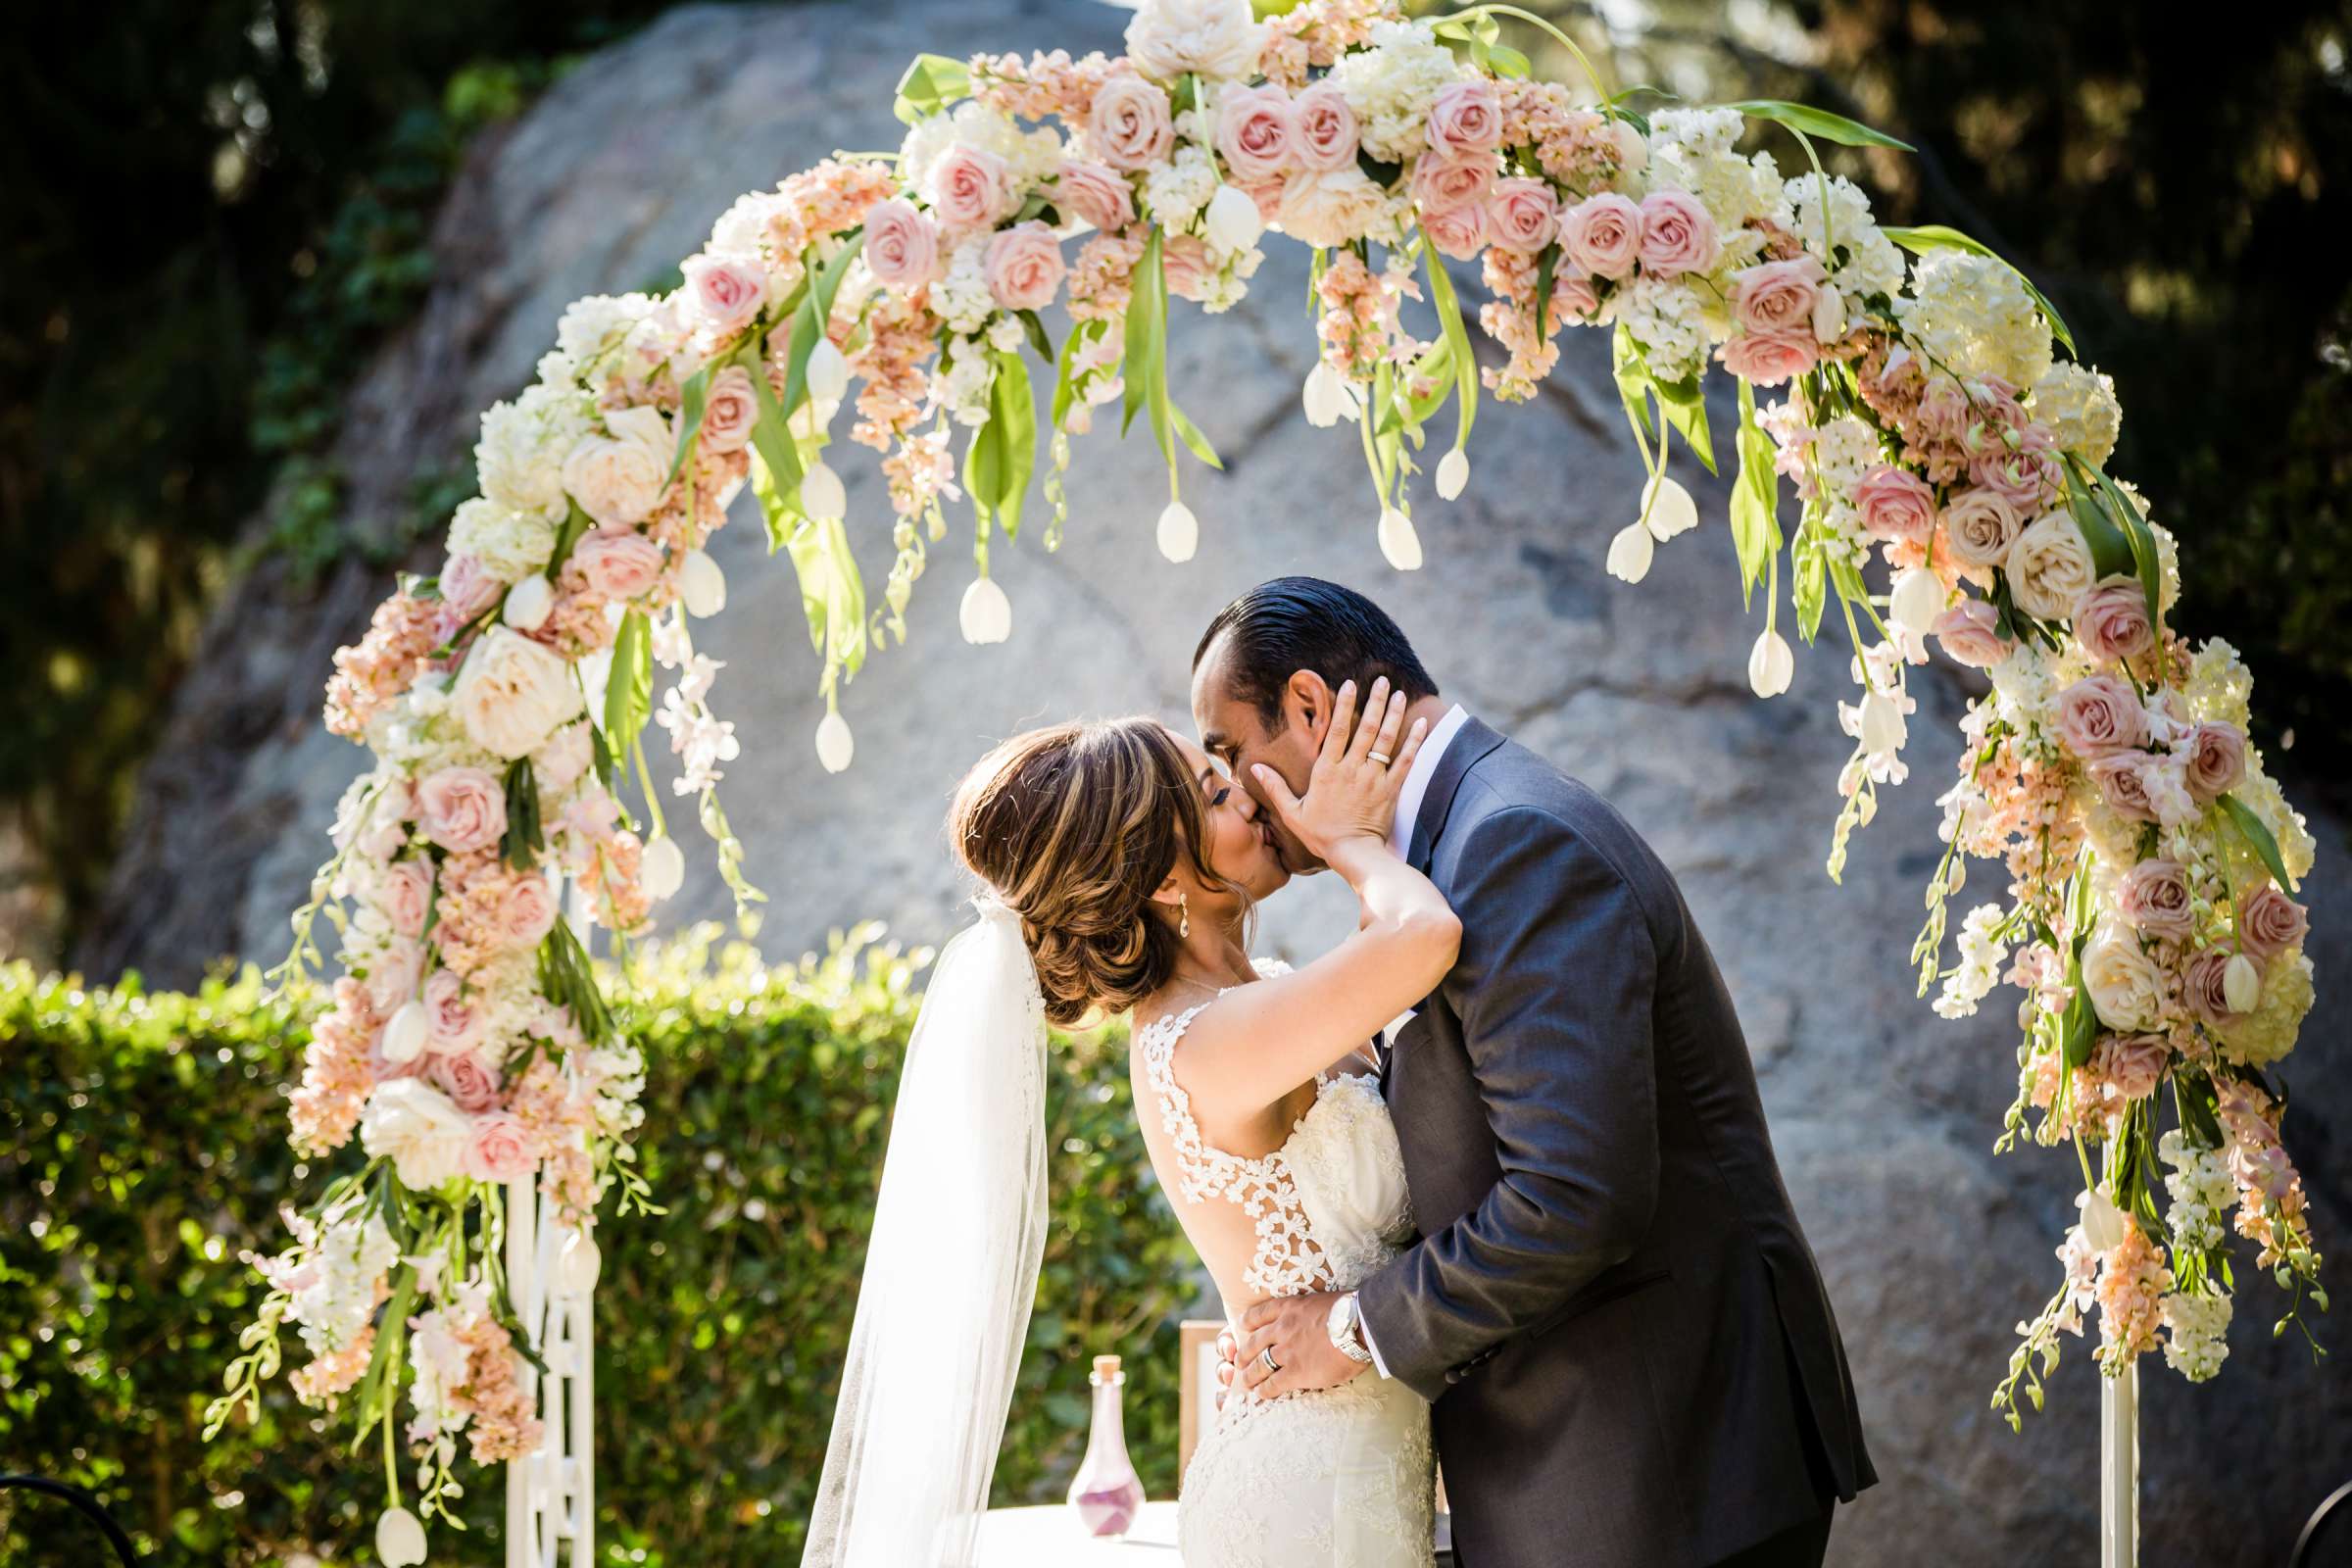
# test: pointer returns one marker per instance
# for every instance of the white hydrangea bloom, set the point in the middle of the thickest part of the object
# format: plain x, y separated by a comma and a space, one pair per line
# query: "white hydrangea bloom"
2220, 689
511, 545
1231, 282
1843, 452
961, 298
1973, 314
520, 457
1392, 84
2196, 1342
1665, 316
742, 229
1175, 192
591, 325
1693, 149
1981, 955
1872, 264
2079, 406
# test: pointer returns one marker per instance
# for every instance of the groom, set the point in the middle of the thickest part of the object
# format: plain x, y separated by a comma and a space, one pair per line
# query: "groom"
1628, 1350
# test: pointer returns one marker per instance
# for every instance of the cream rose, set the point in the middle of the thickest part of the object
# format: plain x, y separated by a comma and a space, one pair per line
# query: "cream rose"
1325, 133
617, 477
1024, 266
617, 562
970, 187
1255, 127
1332, 209
1218, 38
1522, 214
414, 1126
902, 245
2269, 922
1129, 125
1094, 194
513, 693
1602, 234
730, 408
1980, 525
499, 1147
724, 292
1678, 236
462, 810
2049, 567
2125, 988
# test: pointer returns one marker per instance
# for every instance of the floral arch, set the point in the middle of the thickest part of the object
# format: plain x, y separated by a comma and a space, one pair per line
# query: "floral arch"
1931, 412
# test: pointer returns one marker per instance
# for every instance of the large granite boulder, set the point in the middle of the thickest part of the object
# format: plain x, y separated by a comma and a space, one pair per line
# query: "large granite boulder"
1883, 1115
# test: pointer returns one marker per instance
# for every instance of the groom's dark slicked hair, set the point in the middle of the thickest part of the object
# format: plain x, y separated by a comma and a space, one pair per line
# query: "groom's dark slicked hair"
1292, 624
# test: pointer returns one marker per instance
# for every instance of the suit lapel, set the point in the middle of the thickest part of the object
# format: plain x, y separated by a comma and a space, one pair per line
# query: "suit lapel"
1471, 742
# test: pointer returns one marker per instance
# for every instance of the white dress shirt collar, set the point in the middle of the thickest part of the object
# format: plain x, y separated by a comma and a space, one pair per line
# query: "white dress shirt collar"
1416, 782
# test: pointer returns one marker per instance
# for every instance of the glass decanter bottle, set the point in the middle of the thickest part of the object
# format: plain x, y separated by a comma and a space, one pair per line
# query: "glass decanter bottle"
1106, 1496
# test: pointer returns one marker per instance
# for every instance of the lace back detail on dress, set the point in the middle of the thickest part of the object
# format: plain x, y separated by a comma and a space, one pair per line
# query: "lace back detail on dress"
1286, 1261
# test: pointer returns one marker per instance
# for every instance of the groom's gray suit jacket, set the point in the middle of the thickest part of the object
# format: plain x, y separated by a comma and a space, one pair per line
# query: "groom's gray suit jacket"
1630, 1353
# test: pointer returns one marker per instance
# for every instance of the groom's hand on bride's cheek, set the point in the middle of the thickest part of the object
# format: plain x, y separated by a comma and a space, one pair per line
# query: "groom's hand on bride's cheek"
1296, 1329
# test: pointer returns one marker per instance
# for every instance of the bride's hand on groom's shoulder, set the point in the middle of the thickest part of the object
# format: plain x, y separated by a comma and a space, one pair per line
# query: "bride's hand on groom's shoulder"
1352, 791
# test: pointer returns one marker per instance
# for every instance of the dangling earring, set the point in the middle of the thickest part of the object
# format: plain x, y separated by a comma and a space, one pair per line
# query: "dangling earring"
1183, 916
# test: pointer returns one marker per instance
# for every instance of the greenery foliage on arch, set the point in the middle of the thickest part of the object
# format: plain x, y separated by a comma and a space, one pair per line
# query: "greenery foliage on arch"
1945, 447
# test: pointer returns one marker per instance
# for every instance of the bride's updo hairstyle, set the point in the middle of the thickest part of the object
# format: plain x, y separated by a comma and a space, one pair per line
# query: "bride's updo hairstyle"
1074, 826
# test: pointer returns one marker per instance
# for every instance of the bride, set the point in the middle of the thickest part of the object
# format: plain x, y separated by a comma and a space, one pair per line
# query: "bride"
1121, 868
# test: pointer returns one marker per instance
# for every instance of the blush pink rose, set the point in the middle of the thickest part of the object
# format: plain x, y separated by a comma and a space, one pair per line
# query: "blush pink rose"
466, 1078
2112, 621
724, 292
467, 589
392, 975
1678, 235
1980, 525
1767, 359
1094, 194
2142, 787
1522, 214
1255, 127
970, 187
2269, 922
1777, 296
1458, 231
1185, 260
1895, 503
1450, 181
2215, 759
453, 1021
527, 912
1325, 133
1602, 234
463, 808
2154, 897
730, 408
1573, 295
1466, 117
404, 893
617, 562
563, 757
1129, 125
1024, 266
2204, 986
2133, 1064
2099, 716
901, 244
2025, 475
500, 1149
1970, 632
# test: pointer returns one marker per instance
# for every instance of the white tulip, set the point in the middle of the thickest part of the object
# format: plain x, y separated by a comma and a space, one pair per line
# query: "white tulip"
399, 1539
2102, 1221
1326, 396
661, 871
986, 615
1178, 532
1633, 153
828, 373
1453, 475
1884, 728
1630, 552
2241, 984
528, 603
580, 1264
1918, 599
1771, 664
836, 747
1234, 223
1398, 542
812, 418
702, 585
1668, 507
1829, 315
821, 494
405, 1035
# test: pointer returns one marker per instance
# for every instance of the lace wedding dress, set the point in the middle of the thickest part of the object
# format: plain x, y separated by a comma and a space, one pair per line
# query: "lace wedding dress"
1339, 1477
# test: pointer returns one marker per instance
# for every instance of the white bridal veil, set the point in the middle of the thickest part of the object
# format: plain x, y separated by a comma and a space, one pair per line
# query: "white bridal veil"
951, 1271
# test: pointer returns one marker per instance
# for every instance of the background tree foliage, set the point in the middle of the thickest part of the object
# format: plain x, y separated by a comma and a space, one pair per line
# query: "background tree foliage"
143, 1150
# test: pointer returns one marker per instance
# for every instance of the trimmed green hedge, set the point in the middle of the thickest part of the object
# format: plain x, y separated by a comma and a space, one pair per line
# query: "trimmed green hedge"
143, 1150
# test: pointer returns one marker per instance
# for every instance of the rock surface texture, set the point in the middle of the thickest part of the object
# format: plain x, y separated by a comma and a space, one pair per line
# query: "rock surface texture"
1883, 1114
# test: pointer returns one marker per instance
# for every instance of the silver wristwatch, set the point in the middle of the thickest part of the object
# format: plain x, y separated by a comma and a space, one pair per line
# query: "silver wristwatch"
1343, 1326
